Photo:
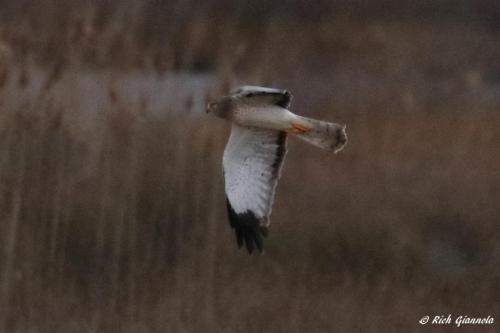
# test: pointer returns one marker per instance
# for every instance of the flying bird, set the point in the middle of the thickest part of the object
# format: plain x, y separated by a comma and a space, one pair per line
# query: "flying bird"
253, 157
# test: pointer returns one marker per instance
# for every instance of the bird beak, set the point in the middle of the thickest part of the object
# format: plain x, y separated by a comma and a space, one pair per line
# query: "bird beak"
210, 106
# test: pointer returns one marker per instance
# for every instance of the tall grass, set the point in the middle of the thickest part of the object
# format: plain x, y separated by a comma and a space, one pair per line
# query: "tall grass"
122, 226
118, 222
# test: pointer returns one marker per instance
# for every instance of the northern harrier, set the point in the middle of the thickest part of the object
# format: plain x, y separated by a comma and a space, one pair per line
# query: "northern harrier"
255, 152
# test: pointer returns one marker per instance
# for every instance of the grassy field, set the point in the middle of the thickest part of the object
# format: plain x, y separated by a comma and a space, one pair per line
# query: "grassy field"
116, 222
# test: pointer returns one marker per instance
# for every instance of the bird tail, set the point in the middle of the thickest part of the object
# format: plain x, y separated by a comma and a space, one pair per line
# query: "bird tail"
329, 136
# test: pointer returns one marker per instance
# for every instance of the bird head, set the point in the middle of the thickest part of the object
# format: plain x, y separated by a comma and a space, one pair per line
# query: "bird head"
222, 107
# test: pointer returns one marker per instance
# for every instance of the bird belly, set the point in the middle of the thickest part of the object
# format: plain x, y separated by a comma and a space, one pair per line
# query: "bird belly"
269, 117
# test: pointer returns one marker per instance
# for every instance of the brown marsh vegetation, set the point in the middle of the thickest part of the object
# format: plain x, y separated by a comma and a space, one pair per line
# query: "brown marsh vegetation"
114, 220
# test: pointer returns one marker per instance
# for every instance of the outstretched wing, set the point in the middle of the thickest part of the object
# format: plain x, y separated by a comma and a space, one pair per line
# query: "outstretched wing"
264, 96
252, 163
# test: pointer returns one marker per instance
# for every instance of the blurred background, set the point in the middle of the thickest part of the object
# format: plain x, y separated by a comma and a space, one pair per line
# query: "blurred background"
112, 212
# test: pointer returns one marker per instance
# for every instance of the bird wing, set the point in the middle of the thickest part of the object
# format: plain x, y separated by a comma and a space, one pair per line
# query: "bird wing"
264, 96
252, 164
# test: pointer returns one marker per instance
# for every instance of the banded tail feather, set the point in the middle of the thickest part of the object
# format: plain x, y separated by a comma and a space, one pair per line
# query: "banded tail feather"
322, 134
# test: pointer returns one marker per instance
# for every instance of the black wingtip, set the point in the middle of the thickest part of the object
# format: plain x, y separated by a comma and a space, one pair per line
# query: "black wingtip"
248, 230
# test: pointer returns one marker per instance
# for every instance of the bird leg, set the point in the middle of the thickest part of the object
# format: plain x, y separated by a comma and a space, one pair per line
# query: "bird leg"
299, 129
